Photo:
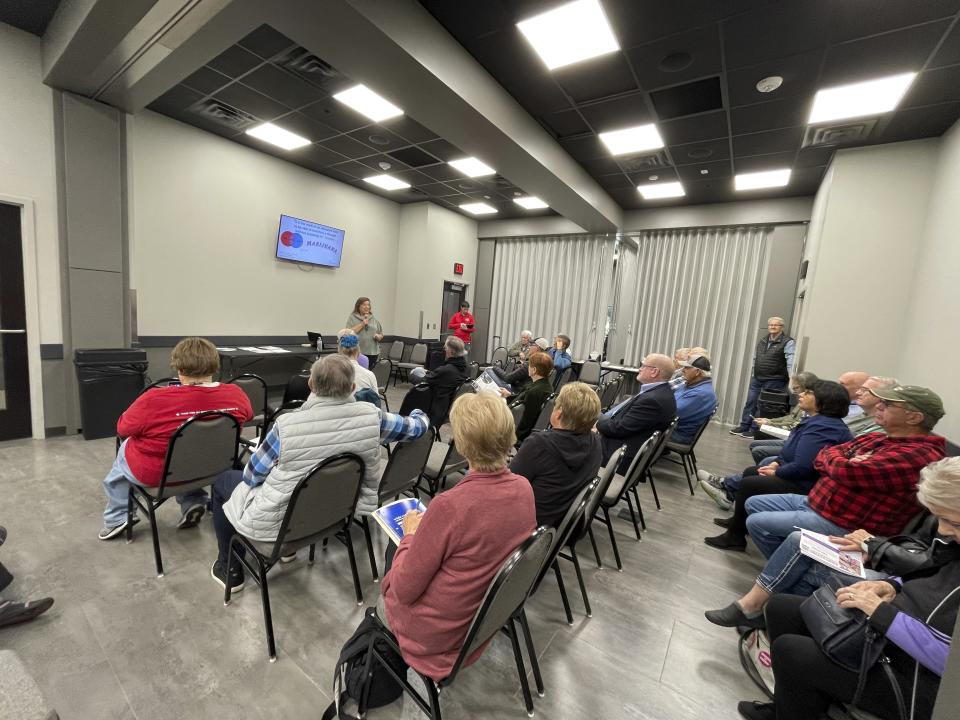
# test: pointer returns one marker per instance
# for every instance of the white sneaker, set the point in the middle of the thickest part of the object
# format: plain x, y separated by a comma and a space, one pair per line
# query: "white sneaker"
716, 480
718, 495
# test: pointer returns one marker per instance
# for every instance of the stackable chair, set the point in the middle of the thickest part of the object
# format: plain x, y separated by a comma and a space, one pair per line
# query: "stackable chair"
543, 419
162, 382
562, 379
473, 370
685, 451
256, 391
502, 608
321, 505
609, 392
517, 412
444, 460
297, 389
499, 358
590, 373
418, 359
657, 452
382, 371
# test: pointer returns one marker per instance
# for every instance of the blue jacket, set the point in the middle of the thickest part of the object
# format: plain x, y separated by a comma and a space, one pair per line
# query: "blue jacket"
561, 360
694, 405
805, 441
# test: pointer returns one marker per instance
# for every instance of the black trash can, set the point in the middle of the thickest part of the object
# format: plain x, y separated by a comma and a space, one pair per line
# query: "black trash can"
108, 380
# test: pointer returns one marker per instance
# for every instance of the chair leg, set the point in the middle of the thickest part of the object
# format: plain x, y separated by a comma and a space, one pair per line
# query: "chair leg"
267, 615
593, 542
353, 563
129, 530
365, 523
643, 523
613, 539
313, 549
653, 486
151, 511
583, 587
633, 514
521, 670
531, 652
227, 590
563, 592
686, 471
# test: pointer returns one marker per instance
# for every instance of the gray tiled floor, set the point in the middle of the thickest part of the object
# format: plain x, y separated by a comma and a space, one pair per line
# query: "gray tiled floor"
120, 643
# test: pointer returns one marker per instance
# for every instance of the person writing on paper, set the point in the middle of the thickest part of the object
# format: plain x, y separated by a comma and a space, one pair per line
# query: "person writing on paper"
367, 328
915, 613
533, 395
450, 553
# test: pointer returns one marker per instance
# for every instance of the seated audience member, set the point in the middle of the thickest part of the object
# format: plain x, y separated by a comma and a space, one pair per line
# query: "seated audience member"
914, 613
519, 377
869, 482
331, 421
446, 378
534, 395
852, 381
349, 346
362, 360
521, 348
792, 471
637, 418
560, 461
679, 356
14, 613
791, 572
865, 421
154, 417
558, 353
695, 398
450, 553
767, 446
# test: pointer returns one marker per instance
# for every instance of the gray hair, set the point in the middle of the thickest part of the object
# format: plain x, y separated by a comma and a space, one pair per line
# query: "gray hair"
455, 346
939, 487
775, 319
804, 380
332, 376
884, 383
526, 334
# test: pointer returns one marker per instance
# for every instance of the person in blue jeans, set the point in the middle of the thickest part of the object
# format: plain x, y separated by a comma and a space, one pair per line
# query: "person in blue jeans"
772, 364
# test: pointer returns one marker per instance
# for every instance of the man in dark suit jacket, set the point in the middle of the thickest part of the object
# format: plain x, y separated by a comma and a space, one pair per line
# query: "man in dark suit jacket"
634, 420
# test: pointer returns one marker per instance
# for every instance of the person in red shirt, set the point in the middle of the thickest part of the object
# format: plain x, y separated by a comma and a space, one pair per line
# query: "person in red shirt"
152, 419
462, 324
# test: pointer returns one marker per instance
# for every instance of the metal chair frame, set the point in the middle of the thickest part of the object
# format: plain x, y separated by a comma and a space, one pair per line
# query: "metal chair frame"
685, 451
657, 452
382, 385
260, 415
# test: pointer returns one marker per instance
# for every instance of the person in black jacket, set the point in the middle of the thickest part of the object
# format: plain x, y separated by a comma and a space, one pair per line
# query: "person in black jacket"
445, 379
560, 461
772, 365
634, 420
14, 613
534, 394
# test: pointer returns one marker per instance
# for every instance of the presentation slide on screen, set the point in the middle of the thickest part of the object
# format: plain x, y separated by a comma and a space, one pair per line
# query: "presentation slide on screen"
309, 242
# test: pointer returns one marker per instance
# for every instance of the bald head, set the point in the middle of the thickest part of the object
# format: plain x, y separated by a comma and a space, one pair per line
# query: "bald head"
853, 381
655, 368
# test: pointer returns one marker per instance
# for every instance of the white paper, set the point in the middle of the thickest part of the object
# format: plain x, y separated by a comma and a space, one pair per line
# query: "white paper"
226, 349
273, 349
775, 431
819, 547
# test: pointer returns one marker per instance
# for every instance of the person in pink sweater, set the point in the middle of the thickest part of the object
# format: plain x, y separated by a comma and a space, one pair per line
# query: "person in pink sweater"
450, 553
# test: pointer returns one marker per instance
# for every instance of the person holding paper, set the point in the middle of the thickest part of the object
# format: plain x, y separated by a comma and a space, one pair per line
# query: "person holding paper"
462, 324
367, 328
769, 446
533, 395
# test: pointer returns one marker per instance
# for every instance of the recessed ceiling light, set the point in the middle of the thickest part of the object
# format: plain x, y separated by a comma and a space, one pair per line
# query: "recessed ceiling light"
366, 102
765, 179
530, 203
570, 33
478, 208
634, 139
387, 182
661, 190
653, 177
872, 97
471, 167
275, 135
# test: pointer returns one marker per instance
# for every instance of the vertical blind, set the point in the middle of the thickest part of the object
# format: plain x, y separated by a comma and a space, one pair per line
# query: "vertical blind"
552, 285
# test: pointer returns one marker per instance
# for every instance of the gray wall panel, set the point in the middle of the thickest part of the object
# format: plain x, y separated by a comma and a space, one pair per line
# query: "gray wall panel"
482, 292
96, 316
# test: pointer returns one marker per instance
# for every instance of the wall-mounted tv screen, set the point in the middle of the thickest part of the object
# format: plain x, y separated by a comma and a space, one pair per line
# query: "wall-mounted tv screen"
303, 241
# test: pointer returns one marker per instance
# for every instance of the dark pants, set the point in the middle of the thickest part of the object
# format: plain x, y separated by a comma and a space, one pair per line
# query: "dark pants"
807, 681
221, 491
754, 483
372, 360
753, 397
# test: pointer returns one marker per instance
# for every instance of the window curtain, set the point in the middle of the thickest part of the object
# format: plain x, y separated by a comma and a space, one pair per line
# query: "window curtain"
552, 285
697, 286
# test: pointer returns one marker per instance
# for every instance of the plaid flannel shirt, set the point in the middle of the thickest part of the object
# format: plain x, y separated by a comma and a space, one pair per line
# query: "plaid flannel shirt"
871, 481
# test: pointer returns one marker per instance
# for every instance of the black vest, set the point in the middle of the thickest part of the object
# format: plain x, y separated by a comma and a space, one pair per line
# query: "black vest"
769, 363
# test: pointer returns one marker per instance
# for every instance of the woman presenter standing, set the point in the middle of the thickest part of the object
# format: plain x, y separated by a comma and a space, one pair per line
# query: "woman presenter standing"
367, 328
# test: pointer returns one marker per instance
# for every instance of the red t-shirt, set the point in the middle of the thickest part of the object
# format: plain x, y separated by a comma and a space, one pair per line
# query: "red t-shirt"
458, 331
155, 416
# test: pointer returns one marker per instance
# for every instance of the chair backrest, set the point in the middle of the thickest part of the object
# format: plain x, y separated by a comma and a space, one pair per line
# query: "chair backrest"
590, 373
517, 412
297, 388
324, 499
204, 446
609, 393
570, 521
407, 461
507, 591
282, 410
465, 389
256, 390
563, 378
703, 426
396, 351
382, 371
664, 439
162, 382
419, 354
604, 479
641, 461
543, 420
418, 397
473, 371
499, 357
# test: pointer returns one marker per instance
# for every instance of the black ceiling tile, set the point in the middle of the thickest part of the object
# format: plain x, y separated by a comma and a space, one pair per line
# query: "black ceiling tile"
461, 18
786, 28
443, 150
667, 174
788, 112
934, 86
869, 17
348, 147
306, 127
585, 148
700, 152
353, 169
282, 86
949, 52
373, 162
176, 99
765, 143
234, 61
335, 114
413, 156
678, 58
814, 157
409, 129
799, 73
758, 163
688, 99
697, 128
715, 171
596, 78
601, 166
414, 177
626, 197
250, 101
320, 156
565, 123
888, 54
442, 172
332, 172
200, 122
619, 113
616, 180
930, 121
378, 138
708, 191
438, 190
266, 42
206, 80
635, 21
314, 70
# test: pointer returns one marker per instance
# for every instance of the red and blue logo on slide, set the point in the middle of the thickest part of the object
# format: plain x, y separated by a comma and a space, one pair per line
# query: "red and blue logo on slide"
291, 239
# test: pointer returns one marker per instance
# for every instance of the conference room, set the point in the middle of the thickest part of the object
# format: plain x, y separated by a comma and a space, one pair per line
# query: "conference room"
439, 191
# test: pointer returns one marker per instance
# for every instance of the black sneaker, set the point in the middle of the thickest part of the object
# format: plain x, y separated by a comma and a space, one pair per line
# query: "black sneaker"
733, 616
13, 613
727, 541
191, 517
752, 710
737, 431
723, 522
219, 573
109, 533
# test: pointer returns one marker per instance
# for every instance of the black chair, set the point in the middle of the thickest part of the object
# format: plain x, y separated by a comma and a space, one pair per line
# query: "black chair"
657, 452
543, 419
162, 382
619, 488
202, 448
501, 609
401, 475
321, 506
473, 370
609, 393
444, 460
297, 389
590, 373
256, 390
562, 379
685, 451
499, 358
517, 412
382, 371
418, 359
418, 397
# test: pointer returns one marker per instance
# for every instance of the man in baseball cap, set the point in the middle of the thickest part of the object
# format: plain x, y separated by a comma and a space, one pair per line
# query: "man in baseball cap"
696, 398
913, 398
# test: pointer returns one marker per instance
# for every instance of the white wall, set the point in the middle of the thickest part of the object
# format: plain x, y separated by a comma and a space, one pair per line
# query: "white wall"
930, 337
204, 213
27, 160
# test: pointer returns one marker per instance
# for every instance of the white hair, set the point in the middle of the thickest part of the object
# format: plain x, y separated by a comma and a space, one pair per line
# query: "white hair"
939, 487
527, 334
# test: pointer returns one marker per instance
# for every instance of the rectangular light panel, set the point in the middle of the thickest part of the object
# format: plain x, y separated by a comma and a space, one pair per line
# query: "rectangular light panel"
570, 33
765, 179
632, 140
530, 203
872, 97
275, 135
366, 102
478, 208
657, 191
386, 182
471, 167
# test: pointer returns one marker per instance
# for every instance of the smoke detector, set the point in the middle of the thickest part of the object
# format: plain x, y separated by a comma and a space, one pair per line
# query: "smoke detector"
384, 165
769, 84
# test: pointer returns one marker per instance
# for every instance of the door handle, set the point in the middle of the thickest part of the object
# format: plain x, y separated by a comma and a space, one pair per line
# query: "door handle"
12, 332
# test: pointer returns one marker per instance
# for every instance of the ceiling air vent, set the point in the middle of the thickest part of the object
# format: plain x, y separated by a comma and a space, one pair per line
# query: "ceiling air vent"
641, 163
310, 67
223, 114
853, 132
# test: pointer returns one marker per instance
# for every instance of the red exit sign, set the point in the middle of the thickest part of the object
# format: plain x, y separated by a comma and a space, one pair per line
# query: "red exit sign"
458, 268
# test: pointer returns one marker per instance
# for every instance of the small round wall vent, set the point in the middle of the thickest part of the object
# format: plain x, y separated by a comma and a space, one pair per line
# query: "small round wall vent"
675, 61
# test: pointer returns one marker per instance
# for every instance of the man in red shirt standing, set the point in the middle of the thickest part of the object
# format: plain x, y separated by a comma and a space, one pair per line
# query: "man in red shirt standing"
152, 419
462, 325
